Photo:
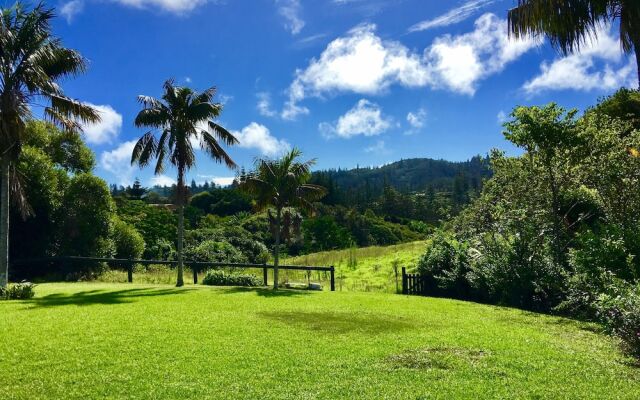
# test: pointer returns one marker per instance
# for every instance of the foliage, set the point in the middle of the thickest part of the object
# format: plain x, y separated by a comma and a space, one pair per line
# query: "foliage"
156, 224
18, 291
446, 265
217, 277
212, 251
619, 310
129, 243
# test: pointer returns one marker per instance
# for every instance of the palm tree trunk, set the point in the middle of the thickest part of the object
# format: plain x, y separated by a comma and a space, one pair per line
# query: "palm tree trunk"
276, 251
4, 222
180, 198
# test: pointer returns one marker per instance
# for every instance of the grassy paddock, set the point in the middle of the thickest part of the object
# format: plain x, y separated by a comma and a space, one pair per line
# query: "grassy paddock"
364, 269
97, 340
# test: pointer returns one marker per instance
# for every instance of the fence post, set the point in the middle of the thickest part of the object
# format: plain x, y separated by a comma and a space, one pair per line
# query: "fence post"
333, 278
265, 275
195, 274
405, 289
130, 273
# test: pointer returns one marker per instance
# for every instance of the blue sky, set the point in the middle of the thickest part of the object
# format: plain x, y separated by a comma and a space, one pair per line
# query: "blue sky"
348, 81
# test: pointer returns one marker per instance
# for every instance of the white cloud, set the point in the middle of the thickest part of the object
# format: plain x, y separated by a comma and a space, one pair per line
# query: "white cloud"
71, 8
162, 180
118, 162
257, 136
172, 6
453, 16
459, 62
502, 117
290, 10
218, 180
579, 71
361, 62
365, 118
264, 104
417, 119
107, 129
379, 148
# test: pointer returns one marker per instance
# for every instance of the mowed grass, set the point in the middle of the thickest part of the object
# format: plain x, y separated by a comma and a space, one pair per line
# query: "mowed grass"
97, 340
365, 269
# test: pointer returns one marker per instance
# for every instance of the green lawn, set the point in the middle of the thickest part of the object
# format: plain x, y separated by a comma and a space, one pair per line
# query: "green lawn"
97, 340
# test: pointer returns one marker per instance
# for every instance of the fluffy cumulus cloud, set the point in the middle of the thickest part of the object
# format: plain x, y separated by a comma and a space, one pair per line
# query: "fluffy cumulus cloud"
361, 62
599, 65
107, 129
118, 162
365, 118
453, 16
257, 136
218, 180
290, 10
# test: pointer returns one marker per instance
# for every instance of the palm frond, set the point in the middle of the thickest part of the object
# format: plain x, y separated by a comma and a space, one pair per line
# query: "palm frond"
145, 148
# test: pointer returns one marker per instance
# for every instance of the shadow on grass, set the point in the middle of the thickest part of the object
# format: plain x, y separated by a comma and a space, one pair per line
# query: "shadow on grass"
93, 297
339, 322
268, 292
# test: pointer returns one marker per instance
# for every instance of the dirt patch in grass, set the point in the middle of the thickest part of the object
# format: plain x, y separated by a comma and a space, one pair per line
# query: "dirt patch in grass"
436, 358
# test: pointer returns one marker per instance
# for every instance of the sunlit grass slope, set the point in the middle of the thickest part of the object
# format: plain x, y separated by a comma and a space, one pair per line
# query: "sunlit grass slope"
367, 268
96, 340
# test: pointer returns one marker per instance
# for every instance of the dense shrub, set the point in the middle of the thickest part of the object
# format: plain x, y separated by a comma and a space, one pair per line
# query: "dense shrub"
216, 277
128, 241
446, 265
619, 311
18, 291
213, 251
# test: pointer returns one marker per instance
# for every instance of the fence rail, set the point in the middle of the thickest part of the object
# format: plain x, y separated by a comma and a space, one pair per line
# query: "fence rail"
195, 266
414, 284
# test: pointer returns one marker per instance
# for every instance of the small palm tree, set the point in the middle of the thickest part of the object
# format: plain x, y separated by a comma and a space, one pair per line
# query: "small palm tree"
280, 184
569, 24
32, 61
182, 115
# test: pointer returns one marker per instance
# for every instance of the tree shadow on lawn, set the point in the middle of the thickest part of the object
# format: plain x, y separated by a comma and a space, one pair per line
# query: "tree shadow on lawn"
339, 322
267, 292
105, 297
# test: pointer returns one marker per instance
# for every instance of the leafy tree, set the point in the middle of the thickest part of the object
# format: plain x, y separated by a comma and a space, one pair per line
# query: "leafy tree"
569, 24
280, 184
32, 61
129, 243
136, 191
181, 115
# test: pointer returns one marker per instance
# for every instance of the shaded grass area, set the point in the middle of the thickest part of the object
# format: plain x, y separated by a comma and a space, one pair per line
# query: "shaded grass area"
96, 340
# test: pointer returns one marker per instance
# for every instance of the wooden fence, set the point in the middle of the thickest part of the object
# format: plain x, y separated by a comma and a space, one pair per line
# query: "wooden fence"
196, 267
414, 284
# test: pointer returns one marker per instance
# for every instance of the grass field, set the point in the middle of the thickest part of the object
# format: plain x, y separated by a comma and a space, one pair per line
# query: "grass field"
97, 340
360, 269
365, 269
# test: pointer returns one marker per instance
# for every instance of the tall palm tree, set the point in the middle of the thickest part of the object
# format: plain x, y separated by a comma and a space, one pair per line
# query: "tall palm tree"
569, 24
180, 116
280, 184
32, 61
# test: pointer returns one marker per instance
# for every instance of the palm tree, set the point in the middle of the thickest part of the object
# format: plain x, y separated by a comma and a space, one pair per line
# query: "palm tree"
281, 183
182, 115
569, 24
32, 61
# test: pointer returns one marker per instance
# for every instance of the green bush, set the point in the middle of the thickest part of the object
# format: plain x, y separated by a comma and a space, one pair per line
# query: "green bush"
446, 265
214, 251
216, 277
619, 311
128, 241
18, 291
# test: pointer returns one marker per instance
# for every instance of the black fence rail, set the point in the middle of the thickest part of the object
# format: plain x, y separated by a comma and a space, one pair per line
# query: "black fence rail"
414, 284
195, 266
